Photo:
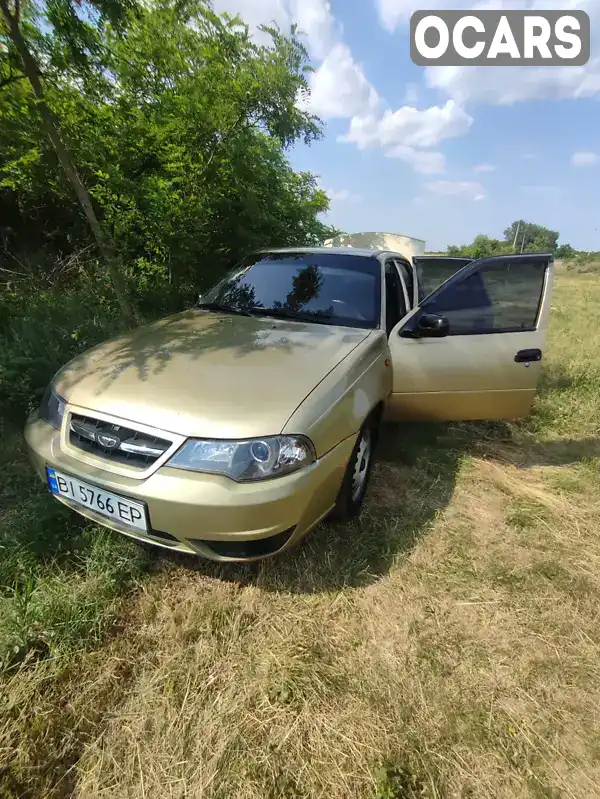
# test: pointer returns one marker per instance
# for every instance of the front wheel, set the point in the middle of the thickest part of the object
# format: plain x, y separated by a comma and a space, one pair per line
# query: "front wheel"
358, 472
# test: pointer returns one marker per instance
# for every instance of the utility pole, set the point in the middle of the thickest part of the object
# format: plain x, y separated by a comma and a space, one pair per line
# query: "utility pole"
516, 235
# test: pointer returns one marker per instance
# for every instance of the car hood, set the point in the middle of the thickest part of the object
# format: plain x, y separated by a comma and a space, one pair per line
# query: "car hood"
205, 374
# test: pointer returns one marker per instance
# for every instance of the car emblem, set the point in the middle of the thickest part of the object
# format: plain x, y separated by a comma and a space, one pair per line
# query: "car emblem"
107, 441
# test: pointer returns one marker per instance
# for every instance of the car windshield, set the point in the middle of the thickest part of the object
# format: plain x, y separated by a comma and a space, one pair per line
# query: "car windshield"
327, 288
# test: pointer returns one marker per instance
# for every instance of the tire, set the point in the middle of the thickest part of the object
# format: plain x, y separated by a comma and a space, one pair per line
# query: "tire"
358, 472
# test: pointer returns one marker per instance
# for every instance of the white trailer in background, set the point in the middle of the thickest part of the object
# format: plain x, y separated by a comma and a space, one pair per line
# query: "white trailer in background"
395, 242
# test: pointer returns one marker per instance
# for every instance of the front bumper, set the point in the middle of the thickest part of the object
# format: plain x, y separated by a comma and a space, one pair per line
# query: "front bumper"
209, 515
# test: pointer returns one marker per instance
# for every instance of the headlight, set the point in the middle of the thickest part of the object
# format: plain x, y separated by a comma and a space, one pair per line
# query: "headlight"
255, 459
52, 408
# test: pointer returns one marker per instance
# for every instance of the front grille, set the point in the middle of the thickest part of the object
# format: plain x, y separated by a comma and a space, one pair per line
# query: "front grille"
114, 442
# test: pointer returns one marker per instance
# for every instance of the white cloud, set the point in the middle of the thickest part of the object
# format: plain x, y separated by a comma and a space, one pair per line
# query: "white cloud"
408, 133
390, 13
411, 94
257, 13
500, 85
339, 87
315, 20
313, 17
410, 127
394, 12
464, 189
510, 85
484, 168
428, 162
585, 158
341, 195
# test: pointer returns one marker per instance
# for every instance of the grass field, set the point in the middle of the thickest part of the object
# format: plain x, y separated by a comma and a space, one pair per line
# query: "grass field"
446, 645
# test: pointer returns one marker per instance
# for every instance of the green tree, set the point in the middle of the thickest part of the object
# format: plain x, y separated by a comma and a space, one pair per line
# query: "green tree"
565, 251
521, 236
528, 237
181, 132
180, 127
481, 247
76, 36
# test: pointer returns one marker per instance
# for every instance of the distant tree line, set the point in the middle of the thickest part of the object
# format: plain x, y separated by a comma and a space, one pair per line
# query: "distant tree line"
521, 236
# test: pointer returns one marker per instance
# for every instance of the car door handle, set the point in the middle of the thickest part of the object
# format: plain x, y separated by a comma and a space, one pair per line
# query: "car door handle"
526, 356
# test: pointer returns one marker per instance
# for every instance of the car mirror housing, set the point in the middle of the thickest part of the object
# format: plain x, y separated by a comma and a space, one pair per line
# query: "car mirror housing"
428, 325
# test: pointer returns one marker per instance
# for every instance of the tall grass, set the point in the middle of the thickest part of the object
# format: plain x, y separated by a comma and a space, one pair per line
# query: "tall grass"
40, 332
59, 576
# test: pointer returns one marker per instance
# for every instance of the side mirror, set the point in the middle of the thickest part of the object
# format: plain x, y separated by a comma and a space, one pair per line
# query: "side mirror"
432, 325
428, 325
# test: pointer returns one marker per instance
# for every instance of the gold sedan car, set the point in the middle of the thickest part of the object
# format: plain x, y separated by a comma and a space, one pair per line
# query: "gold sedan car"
231, 429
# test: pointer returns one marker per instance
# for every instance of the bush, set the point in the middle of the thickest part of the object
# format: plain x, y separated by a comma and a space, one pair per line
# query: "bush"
41, 331
584, 262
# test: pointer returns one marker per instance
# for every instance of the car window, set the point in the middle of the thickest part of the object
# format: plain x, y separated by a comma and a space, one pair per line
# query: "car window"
432, 271
407, 274
499, 298
323, 287
395, 304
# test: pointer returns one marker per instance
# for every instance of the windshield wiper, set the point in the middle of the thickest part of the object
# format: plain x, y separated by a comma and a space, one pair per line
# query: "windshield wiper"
284, 313
223, 308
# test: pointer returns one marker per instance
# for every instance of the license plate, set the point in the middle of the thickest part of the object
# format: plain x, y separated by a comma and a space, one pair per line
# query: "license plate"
112, 506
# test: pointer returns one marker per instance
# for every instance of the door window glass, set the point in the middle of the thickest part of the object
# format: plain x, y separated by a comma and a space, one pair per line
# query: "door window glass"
500, 298
407, 274
432, 271
395, 306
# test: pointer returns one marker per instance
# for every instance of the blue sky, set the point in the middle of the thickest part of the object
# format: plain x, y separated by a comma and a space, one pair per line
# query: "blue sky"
443, 153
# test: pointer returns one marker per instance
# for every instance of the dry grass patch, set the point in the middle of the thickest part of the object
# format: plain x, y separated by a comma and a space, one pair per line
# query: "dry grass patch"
470, 669
446, 645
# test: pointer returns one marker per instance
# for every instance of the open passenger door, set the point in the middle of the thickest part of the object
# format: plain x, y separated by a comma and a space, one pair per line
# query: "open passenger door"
472, 349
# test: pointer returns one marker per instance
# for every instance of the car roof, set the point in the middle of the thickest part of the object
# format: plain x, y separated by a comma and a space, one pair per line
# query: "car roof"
444, 257
365, 253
